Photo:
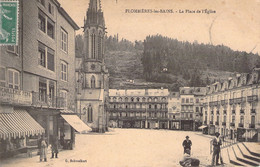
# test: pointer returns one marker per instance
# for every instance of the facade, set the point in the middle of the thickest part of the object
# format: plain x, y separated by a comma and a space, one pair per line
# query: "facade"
138, 108
92, 74
36, 73
174, 110
232, 107
191, 107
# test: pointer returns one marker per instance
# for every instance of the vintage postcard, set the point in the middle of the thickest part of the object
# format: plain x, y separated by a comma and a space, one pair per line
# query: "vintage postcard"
129, 83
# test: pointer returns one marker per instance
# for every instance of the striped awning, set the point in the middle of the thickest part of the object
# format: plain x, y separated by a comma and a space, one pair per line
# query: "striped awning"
18, 123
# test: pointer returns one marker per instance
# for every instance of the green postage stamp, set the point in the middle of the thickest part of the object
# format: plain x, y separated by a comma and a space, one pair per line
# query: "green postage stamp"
8, 22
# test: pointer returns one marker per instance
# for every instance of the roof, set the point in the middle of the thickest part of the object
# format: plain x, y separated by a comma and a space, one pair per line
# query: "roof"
66, 15
138, 92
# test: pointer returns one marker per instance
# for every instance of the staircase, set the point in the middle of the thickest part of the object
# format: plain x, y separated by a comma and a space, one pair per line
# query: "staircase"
242, 154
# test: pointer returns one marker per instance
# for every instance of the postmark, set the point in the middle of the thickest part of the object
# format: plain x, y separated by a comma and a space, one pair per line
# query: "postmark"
9, 22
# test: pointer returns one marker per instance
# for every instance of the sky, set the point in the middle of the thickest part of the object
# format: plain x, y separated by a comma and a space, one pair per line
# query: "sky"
234, 23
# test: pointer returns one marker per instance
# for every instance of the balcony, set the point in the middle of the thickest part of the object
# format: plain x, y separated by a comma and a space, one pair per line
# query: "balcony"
15, 97
224, 102
45, 101
231, 101
252, 98
223, 123
253, 111
241, 125
211, 122
233, 111
216, 123
232, 124
251, 125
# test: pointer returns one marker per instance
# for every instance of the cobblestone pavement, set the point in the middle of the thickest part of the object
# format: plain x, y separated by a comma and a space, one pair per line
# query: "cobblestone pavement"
124, 148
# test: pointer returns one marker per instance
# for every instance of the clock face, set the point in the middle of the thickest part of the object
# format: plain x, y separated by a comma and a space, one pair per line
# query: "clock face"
93, 66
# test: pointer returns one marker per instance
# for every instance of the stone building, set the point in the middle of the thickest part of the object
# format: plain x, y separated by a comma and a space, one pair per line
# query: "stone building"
174, 110
37, 76
191, 107
138, 108
232, 107
92, 74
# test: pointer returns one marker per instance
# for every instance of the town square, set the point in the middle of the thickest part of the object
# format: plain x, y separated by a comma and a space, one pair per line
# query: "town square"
122, 83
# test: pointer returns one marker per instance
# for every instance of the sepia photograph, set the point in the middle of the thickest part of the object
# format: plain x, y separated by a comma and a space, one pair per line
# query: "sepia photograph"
129, 83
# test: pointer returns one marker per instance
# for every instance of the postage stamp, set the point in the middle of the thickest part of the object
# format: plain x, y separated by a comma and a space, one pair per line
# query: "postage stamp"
8, 22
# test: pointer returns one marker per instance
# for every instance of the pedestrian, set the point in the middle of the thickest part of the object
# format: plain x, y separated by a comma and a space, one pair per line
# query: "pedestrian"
216, 149
54, 147
43, 150
187, 145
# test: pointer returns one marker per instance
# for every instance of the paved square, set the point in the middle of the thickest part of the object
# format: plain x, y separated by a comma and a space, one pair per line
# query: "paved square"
126, 148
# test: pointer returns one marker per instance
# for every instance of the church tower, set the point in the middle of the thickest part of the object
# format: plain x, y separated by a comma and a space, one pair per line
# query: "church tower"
94, 78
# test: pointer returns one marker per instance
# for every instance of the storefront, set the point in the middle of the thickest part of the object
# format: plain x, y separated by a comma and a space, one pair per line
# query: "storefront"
19, 132
69, 122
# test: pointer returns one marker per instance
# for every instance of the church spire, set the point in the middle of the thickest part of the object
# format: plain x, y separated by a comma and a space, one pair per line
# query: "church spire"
95, 14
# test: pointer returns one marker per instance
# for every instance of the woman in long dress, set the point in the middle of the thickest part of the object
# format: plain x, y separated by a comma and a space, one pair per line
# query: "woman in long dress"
43, 151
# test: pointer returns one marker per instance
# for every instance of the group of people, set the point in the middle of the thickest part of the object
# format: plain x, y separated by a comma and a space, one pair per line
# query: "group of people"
43, 146
191, 161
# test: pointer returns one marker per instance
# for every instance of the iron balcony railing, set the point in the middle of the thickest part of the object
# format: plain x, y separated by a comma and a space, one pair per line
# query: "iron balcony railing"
252, 98
241, 125
231, 101
251, 125
224, 102
253, 111
44, 100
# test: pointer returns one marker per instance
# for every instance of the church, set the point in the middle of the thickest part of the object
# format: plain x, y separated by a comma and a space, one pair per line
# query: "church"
93, 77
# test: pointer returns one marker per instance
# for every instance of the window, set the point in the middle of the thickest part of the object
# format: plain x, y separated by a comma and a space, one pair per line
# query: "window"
51, 8
126, 99
50, 28
90, 114
253, 120
187, 100
2, 76
242, 119
183, 100
64, 96
50, 59
137, 99
64, 40
42, 91
93, 82
224, 118
191, 100
233, 119
64, 71
46, 57
13, 79
42, 55
41, 21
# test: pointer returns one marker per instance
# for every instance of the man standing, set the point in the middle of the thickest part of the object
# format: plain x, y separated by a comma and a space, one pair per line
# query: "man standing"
54, 147
216, 149
187, 145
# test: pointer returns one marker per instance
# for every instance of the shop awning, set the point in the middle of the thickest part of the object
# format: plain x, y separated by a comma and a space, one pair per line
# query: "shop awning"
203, 126
18, 123
76, 123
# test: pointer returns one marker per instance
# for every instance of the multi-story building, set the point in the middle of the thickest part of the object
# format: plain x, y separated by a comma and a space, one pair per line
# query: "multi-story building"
191, 107
92, 74
138, 108
174, 110
232, 107
37, 76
